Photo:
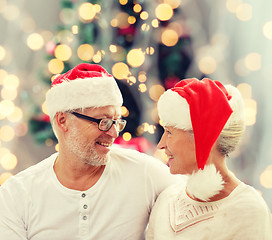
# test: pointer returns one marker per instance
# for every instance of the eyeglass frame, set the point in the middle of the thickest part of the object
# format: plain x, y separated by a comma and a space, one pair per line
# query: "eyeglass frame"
98, 120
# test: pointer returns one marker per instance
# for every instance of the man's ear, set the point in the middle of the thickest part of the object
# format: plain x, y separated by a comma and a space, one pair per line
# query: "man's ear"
61, 121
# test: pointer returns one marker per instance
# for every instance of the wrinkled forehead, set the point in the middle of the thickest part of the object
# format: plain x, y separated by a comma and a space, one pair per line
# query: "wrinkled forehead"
106, 111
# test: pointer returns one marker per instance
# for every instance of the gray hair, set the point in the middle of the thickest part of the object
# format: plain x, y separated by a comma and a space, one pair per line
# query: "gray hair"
230, 137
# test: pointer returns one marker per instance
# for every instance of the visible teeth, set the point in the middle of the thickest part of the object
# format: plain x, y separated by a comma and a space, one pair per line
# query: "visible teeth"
105, 144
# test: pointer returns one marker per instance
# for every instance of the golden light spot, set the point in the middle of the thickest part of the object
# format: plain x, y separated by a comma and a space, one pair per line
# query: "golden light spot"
240, 68
35, 41
114, 22
122, 20
123, 2
253, 61
6, 133
86, 12
131, 80
57, 147
3, 151
6, 107
151, 129
250, 111
144, 15
266, 177
135, 57
97, 8
4, 177
49, 142
2, 53
232, 5
44, 109
120, 70
245, 90
207, 64
127, 136
11, 12
55, 66
75, 29
150, 50
11, 81
131, 19
3, 74
145, 27
155, 23
63, 52
173, 3
9, 161
16, 115
142, 88
124, 111
8, 93
267, 30
3, 5
164, 12
160, 122
169, 37
113, 48
137, 8
244, 12
156, 91
85, 52
97, 58
142, 76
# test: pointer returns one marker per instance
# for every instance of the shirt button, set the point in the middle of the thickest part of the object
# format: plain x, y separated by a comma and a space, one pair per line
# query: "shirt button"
84, 217
83, 195
85, 206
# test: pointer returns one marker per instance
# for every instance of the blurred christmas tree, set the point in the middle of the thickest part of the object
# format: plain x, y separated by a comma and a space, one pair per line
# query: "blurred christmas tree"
144, 44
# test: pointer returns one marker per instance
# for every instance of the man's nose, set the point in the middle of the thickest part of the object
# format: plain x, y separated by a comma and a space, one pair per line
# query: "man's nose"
113, 131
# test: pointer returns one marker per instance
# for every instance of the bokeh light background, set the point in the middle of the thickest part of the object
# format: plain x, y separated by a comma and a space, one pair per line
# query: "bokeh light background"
231, 42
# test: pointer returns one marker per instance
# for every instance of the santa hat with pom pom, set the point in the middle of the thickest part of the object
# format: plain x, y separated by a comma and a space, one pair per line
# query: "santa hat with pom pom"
206, 107
86, 85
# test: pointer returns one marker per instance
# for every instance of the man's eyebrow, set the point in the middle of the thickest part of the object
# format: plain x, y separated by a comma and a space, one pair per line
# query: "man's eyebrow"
107, 115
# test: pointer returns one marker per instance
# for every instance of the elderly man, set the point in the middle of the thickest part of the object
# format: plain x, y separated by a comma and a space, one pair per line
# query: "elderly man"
89, 189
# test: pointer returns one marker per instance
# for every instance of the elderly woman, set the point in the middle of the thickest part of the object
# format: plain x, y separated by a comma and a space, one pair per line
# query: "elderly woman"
203, 122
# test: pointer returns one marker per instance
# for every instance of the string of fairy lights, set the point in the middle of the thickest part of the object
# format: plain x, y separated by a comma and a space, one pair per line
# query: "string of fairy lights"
207, 59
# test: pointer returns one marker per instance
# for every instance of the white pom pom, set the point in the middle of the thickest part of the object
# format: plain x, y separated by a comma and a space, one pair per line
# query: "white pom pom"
205, 183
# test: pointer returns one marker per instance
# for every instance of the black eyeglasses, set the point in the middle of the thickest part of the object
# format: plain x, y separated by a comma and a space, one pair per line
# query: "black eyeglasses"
104, 124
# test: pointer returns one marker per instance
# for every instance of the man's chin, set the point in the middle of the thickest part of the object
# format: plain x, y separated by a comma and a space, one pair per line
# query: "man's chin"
98, 160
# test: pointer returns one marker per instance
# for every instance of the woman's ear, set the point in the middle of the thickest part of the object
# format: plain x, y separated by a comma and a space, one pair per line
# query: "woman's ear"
61, 121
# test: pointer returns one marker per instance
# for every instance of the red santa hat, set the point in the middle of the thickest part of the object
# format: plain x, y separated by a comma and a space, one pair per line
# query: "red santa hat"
205, 107
86, 85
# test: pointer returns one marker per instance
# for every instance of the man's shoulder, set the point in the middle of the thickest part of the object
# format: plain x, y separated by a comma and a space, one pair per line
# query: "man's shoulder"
31, 172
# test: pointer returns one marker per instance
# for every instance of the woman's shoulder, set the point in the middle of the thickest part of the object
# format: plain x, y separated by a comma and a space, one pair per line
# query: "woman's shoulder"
247, 200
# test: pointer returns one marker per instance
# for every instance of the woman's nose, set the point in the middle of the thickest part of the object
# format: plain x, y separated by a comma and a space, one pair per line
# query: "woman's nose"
161, 144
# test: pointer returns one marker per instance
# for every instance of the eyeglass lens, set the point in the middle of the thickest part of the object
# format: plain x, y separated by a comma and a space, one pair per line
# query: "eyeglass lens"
105, 124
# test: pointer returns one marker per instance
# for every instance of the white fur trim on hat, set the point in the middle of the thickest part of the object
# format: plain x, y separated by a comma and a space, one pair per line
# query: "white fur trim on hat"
83, 93
237, 104
206, 183
174, 110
